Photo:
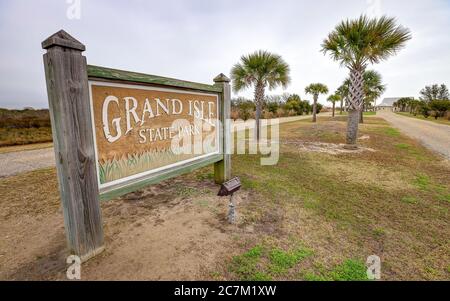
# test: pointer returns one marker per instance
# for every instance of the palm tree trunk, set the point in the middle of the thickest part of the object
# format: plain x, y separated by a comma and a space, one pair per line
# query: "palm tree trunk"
315, 108
259, 98
342, 106
355, 106
352, 128
334, 107
361, 118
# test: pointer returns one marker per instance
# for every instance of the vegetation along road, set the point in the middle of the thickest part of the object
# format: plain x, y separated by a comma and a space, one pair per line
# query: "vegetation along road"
13, 163
432, 135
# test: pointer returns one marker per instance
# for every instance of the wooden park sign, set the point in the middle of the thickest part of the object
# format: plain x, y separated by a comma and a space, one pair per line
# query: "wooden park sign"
118, 131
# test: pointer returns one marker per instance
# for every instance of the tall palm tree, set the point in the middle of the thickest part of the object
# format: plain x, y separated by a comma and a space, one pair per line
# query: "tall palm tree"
261, 70
315, 90
333, 98
356, 44
373, 89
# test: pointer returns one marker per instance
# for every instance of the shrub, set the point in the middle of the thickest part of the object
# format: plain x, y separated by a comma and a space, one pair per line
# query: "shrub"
319, 107
246, 110
424, 109
272, 107
440, 107
22, 119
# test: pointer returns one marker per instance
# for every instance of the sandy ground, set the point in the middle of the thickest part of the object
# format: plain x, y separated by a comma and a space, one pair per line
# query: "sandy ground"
13, 163
432, 135
176, 230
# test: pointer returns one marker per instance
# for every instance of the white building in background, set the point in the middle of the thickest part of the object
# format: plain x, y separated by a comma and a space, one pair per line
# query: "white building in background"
387, 104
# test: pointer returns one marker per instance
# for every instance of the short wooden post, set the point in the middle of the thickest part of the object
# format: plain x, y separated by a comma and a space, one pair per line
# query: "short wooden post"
68, 96
222, 169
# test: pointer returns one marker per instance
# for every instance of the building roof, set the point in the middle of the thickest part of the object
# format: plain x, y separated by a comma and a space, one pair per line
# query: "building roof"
389, 101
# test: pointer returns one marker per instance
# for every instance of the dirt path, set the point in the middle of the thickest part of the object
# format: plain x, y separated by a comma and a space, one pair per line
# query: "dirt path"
13, 163
432, 135
19, 162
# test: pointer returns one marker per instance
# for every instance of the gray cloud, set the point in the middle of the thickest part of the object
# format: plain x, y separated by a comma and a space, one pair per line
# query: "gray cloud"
195, 40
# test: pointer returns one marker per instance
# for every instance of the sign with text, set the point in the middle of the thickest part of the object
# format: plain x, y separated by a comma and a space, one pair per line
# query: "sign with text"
139, 130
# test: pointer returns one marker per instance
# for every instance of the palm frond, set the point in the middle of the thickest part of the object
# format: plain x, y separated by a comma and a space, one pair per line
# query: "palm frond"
355, 43
262, 67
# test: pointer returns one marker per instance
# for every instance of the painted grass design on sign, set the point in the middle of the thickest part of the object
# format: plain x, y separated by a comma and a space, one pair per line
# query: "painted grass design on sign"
133, 164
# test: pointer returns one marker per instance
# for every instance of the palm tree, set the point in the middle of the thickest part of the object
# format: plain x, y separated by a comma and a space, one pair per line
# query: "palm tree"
343, 91
356, 44
333, 98
315, 90
373, 89
261, 70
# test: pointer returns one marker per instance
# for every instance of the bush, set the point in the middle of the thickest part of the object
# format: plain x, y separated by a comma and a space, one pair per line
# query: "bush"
246, 110
22, 119
440, 107
272, 107
319, 107
424, 109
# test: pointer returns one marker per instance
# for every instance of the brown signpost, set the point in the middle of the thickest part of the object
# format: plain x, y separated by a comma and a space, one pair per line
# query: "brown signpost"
117, 131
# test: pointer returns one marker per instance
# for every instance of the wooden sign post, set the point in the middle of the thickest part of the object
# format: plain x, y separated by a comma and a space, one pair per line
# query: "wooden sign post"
117, 131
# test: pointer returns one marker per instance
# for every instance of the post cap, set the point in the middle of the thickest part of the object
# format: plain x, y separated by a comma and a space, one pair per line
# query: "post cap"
63, 39
221, 78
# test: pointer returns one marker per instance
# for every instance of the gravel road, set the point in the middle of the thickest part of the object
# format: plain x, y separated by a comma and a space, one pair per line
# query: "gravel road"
18, 162
432, 135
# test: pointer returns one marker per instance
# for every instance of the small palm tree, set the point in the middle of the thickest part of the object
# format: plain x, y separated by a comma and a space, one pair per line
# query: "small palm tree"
343, 91
333, 98
261, 70
315, 90
356, 44
373, 89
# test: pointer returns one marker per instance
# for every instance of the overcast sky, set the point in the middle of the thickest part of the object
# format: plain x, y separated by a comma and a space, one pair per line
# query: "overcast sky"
196, 40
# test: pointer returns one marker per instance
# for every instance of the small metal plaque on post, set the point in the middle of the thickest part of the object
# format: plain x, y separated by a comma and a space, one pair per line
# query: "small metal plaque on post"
228, 189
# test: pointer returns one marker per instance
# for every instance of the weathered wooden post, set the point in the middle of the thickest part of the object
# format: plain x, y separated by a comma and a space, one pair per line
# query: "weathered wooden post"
68, 95
222, 169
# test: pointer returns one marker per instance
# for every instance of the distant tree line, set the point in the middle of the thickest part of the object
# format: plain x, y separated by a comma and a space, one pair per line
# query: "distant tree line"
434, 101
272, 106
27, 118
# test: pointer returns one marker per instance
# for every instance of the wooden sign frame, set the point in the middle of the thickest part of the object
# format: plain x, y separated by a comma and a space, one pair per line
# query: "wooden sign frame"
68, 80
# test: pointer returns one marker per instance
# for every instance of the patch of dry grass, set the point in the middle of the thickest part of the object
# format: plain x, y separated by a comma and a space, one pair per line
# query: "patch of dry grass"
25, 147
21, 136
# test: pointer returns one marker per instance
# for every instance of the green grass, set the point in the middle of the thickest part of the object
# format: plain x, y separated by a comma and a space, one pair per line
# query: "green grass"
410, 200
265, 262
391, 132
403, 146
281, 261
422, 181
245, 265
348, 270
370, 113
440, 120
